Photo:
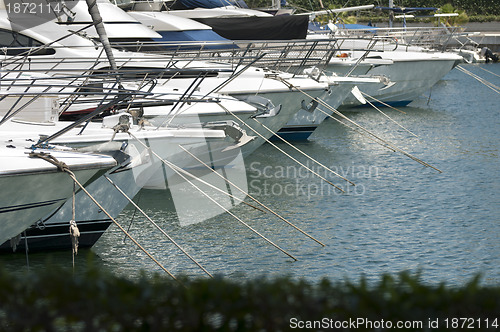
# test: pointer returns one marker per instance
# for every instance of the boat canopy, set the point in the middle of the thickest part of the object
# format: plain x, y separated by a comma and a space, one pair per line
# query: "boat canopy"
357, 27
195, 36
191, 4
316, 26
406, 10
283, 27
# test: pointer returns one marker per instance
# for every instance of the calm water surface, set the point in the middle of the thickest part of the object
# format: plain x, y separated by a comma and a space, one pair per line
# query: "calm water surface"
399, 216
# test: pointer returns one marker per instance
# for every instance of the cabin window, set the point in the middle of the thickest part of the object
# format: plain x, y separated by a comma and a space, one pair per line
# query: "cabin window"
15, 43
140, 73
136, 44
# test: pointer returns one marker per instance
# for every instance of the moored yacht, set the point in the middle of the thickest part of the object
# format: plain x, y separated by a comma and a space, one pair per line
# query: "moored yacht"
411, 73
32, 186
142, 145
65, 54
50, 228
293, 56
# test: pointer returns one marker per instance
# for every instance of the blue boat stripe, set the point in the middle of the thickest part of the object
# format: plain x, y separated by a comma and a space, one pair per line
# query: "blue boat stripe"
29, 205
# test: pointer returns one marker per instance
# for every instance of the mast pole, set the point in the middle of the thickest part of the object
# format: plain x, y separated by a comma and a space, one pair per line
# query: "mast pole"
391, 13
101, 31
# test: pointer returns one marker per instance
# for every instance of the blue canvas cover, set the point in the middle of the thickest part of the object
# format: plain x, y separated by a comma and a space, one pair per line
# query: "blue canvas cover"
194, 36
367, 28
191, 4
406, 10
316, 26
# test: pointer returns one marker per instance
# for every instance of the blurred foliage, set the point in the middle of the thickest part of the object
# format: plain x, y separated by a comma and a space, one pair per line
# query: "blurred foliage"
60, 300
484, 18
472, 7
448, 8
342, 18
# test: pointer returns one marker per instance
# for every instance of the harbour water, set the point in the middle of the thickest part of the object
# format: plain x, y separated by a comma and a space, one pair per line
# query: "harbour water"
399, 216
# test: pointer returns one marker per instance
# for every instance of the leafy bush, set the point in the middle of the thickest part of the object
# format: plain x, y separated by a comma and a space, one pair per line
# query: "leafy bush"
484, 18
57, 299
471, 7
448, 8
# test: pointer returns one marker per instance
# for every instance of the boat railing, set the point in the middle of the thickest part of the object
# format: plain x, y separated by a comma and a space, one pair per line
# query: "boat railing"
83, 93
132, 65
292, 56
433, 38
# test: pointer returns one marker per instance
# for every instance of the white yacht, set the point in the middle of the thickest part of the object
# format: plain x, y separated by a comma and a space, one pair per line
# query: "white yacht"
138, 147
50, 230
32, 186
73, 54
173, 27
409, 72
309, 117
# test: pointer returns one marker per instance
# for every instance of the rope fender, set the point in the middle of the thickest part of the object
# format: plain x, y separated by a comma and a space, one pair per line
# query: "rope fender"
74, 232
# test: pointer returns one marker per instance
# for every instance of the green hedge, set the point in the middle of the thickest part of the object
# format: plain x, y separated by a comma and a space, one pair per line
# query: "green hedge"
471, 7
58, 300
484, 18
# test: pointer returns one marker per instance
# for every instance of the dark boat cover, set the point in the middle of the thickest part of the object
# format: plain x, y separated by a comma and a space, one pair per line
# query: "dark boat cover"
191, 4
259, 28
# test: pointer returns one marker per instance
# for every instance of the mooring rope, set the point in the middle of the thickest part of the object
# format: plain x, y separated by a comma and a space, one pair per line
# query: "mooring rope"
251, 197
285, 153
74, 232
157, 226
489, 71
64, 168
305, 154
383, 103
480, 79
391, 119
386, 143
174, 168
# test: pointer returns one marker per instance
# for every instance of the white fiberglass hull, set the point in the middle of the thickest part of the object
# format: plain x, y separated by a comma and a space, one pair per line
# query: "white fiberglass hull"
36, 187
410, 74
287, 95
309, 117
51, 230
304, 122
